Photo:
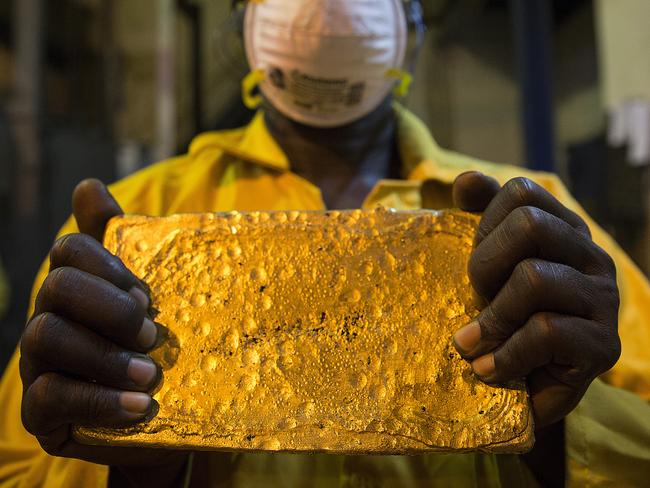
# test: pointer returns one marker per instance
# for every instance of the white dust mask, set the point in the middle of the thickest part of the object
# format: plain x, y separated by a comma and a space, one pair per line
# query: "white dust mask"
324, 63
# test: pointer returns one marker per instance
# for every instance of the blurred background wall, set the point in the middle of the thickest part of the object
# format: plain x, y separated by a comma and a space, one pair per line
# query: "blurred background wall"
104, 87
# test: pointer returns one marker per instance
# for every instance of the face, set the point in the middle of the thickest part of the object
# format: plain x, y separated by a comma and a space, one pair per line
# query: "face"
327, 63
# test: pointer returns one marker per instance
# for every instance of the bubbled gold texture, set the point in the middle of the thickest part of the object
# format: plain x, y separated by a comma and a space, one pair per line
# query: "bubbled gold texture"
314, 332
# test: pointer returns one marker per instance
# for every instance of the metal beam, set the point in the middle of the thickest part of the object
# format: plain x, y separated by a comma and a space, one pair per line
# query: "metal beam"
533, 27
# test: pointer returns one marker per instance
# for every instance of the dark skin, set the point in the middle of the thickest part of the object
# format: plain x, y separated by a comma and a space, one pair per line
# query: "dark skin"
552, 305
88, 323
551, 317
553, 300
346, 161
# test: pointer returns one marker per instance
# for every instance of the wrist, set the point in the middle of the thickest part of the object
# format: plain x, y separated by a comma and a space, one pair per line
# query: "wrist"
547, 460
169, 473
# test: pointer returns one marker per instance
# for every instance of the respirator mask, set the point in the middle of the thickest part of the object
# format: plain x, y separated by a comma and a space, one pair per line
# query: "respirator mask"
326, 63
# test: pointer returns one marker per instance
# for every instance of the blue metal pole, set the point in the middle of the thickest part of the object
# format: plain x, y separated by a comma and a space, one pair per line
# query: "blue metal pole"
533, 38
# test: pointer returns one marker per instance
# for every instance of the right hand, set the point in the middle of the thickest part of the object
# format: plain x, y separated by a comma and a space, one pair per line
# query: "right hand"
83, 352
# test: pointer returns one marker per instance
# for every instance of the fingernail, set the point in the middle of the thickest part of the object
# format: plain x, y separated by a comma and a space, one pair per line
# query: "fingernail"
141, 371
484, 366
140, 296
467, 338
135, 403
148, 334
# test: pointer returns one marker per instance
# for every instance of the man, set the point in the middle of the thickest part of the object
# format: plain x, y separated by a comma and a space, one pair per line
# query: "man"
330, 135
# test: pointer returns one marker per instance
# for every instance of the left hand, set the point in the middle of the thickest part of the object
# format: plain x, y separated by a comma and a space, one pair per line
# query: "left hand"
553, 305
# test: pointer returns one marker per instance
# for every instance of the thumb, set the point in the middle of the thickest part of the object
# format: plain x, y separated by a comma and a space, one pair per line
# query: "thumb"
473, 191
93, 206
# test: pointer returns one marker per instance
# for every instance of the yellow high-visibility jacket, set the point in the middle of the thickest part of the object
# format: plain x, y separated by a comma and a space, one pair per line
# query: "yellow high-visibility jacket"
607, 435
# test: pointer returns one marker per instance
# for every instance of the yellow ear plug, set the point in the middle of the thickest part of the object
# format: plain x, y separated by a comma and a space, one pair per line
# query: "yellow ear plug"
249, 83
405, 79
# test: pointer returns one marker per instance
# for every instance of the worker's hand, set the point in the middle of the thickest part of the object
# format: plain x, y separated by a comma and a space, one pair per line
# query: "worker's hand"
552, 313
83, 353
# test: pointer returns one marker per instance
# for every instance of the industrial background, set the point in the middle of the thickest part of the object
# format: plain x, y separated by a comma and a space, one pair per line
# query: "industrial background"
104, 87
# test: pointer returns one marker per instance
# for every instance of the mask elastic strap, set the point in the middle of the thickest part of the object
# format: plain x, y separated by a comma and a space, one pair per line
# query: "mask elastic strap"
405, 79
248, 84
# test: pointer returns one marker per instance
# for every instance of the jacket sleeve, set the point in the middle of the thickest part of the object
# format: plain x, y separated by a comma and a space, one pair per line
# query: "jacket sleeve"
608, 439
23, 463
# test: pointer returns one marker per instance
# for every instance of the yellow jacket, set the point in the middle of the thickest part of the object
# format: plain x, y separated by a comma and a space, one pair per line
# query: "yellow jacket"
607, 436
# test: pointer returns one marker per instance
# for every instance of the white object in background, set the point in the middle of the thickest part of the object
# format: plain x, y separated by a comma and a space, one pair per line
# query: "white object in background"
325, 62
129, 158
629, 123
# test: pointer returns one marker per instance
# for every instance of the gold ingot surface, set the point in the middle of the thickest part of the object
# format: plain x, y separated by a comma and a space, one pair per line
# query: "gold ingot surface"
314, 332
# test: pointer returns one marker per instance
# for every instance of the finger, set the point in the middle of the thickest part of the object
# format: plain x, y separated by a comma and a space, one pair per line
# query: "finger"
53, 400
473, 191
582, 348
97, 304
53, 344
529, 232
86, 254
560, 356
522, 192
93, 206
537, 286
436, 194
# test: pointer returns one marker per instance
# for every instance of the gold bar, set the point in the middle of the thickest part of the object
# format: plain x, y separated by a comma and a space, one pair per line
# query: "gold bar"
314, 332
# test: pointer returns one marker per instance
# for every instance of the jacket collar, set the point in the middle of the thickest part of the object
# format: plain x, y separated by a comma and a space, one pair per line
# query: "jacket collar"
254, 144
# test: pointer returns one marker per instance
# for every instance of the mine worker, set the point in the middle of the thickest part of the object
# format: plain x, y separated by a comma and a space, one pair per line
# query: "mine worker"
330, 134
